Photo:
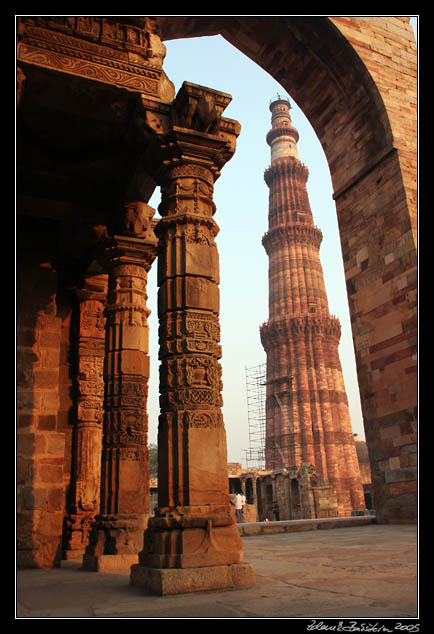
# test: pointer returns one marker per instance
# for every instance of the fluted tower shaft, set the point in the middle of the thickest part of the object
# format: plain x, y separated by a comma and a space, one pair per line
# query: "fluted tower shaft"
307, 414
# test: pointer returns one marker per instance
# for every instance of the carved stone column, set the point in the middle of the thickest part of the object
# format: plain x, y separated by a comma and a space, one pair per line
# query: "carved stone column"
117, 534
192, 543
86, 465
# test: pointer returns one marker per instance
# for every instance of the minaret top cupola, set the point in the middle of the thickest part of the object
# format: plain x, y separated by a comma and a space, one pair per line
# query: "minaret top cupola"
282, 138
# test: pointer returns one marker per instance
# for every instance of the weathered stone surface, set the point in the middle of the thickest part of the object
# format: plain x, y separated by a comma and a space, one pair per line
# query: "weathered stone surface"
178, 581
193, 532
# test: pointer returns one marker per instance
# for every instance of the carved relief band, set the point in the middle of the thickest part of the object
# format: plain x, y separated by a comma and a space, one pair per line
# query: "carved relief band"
114, 52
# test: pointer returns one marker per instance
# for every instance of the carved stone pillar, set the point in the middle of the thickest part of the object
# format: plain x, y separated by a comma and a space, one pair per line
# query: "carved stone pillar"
117, 534
86, 465
192, 543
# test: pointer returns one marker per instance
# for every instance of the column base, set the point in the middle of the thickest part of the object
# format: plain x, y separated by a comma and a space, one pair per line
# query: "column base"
114, 542
109, 563
164, 581
72, 555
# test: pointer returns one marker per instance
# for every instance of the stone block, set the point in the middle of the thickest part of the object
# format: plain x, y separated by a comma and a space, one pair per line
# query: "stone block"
56, 499
179, 581
34, 498
202, 261
134, 362
50, 473
47, 422
135, 337
56, 444
30, 444
401, 475
109, 563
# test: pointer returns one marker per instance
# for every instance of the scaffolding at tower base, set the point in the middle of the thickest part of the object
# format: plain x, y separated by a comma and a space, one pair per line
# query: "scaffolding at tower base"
256, 394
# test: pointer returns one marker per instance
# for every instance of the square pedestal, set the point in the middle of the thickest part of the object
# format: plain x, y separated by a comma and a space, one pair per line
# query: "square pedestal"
164, 581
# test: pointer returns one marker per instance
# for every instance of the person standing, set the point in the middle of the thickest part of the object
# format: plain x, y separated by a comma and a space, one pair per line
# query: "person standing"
238, 503
276, 511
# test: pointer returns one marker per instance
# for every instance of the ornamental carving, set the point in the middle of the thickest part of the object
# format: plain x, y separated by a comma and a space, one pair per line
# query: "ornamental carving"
87, 495
202, 420
90, 410
195, 419
104, 48
127, 393
187, 195
137, 220
197, 235
190, 334
191, 397
90, 368
278, 236
189, 170
96, 68
286, 166
277, 332
92, 320
191, 371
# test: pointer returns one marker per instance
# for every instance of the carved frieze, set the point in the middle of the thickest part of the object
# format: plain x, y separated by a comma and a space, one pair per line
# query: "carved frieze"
89, 380
137, 220
278, 236
192, 333
196, 419
274, 333
288, 166
111, 51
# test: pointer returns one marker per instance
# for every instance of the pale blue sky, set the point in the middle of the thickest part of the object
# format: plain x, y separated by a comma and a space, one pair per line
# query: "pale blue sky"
241, 197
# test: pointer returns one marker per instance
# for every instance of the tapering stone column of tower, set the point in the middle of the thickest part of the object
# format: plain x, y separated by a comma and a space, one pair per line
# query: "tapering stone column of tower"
307, 414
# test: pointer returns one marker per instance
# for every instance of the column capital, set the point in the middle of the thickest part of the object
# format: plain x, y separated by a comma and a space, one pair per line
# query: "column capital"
191, 130
123, 249
133, 240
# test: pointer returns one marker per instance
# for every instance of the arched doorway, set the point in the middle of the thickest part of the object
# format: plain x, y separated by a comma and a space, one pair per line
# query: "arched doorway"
339, 71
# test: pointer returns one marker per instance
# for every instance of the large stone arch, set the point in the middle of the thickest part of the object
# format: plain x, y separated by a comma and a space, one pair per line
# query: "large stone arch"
356, 81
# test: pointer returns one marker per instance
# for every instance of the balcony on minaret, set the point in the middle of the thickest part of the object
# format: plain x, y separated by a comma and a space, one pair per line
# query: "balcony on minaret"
282, 137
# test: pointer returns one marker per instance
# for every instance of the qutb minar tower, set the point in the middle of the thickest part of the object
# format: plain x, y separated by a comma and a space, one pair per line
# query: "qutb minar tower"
307, 414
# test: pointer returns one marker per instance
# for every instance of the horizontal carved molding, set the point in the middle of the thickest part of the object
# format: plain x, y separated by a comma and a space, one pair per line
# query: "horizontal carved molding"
283, 330
291, 233
288, 166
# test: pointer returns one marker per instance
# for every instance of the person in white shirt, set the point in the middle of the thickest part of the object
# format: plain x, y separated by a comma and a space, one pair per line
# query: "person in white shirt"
238, 503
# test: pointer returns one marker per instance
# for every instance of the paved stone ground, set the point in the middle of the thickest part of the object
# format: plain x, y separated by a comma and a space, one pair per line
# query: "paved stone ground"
362, 572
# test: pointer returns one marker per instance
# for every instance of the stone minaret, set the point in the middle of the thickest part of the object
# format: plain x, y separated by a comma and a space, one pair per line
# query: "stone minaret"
307, 415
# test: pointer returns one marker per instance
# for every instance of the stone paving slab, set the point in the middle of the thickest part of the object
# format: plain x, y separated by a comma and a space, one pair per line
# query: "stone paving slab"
363, 572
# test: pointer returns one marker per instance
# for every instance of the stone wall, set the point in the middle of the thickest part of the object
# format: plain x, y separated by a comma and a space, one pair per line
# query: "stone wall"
43, 401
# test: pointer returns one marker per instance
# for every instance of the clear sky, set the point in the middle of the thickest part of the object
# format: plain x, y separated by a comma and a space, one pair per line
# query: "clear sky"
241, 197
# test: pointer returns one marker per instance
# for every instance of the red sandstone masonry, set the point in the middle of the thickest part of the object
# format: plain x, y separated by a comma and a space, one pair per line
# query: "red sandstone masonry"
41, 494
360, 96
313, 406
